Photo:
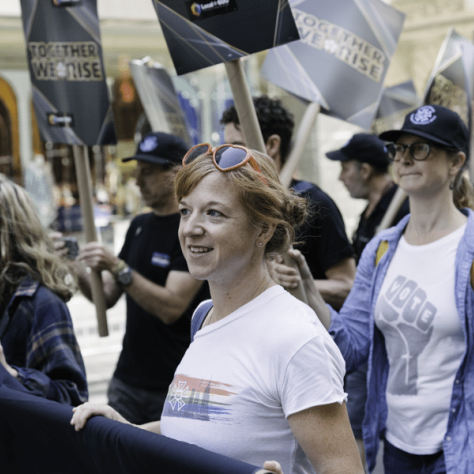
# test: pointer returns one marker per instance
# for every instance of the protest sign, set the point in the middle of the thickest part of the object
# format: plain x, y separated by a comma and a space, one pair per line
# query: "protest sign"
67, 72
201, 34
70, 95
395, 103
342, 58
450, 81
159, 98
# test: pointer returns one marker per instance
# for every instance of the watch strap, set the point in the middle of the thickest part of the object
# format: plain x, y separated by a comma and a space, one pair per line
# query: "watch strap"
121, 265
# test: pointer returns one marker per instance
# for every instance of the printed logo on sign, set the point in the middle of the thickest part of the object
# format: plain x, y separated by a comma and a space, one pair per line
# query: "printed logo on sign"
60, 120
67, 3
196, 9
149, 144
423, 116
70, 61
160, 260
202, 10
344, 45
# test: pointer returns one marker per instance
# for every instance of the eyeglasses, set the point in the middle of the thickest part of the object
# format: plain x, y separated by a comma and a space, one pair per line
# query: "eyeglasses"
225, 157
419, 151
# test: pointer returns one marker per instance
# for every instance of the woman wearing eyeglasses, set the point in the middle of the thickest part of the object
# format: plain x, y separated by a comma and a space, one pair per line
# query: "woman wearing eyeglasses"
411, 309
262, 379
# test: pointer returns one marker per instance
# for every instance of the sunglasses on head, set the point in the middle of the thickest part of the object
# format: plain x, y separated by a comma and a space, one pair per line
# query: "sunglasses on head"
225, 157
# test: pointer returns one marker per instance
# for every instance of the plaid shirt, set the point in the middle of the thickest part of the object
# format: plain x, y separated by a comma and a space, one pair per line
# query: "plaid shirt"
38, 340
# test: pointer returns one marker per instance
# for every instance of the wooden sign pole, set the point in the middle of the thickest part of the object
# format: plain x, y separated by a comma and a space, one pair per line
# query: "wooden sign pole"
253, 136
304, 131
83, 173
244, 105
394, 206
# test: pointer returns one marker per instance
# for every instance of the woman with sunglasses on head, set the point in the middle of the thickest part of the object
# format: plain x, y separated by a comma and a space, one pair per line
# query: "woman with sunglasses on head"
262, 380
411, 309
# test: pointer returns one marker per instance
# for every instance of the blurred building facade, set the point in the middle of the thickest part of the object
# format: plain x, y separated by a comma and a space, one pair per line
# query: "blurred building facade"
130, 30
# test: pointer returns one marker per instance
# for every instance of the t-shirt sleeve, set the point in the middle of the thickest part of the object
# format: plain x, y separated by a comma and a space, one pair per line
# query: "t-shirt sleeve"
323, 237
314, 376
333, 245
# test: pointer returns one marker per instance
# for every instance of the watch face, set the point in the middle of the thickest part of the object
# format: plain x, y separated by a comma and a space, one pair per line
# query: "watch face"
124, 278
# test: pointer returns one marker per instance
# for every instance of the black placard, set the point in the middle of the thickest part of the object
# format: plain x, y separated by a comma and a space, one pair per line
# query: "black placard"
70, 94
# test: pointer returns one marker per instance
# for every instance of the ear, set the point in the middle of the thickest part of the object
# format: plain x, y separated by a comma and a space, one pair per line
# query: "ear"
272, 146
266, 233
365, 171
457, 162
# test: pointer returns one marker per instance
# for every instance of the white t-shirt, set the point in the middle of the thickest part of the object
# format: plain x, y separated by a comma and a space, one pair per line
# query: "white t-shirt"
416, 312
243, 376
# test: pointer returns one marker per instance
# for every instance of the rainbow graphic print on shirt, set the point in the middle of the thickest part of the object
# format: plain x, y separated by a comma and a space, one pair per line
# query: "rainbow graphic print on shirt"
200, 399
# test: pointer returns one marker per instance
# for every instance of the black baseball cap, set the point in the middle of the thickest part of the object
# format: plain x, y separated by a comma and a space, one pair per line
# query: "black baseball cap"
437, 124
363, 147
160, 148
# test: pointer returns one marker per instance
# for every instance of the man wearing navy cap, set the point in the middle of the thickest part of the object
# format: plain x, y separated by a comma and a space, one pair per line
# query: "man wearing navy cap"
161, 294
364, 172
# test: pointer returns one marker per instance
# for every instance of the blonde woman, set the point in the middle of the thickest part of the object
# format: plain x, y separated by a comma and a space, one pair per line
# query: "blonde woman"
37, 342
411, 310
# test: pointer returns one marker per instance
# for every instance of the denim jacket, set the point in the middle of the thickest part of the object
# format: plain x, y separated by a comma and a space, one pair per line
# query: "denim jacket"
38, 340
358, 338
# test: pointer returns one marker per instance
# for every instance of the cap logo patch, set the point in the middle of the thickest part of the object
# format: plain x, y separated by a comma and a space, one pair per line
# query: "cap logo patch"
149, 144
424, 115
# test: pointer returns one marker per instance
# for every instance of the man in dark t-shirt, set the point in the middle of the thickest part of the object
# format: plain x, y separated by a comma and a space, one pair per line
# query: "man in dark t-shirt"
323, 237
161, 294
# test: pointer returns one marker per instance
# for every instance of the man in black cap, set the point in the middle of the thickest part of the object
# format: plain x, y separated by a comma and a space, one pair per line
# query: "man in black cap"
161, 294
365, 174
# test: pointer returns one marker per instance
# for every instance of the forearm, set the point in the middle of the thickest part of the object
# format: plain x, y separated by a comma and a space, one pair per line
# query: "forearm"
112, 291
317, 304
156, 299
153, 426
334, 292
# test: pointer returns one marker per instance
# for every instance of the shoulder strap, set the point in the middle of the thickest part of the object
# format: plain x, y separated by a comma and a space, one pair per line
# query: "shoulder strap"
199, 316
382, 248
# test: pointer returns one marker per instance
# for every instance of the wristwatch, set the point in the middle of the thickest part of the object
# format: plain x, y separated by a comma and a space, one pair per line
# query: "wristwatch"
122, 273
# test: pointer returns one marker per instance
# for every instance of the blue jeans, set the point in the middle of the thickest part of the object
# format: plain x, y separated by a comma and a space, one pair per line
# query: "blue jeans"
396, 461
